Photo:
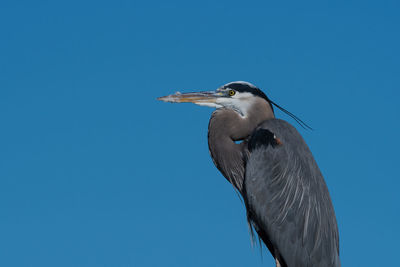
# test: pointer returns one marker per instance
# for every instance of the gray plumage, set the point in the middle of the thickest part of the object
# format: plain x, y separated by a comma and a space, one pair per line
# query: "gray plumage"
288, 202
270, 165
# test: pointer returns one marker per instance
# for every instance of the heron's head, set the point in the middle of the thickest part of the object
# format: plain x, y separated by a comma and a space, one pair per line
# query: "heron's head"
238, 96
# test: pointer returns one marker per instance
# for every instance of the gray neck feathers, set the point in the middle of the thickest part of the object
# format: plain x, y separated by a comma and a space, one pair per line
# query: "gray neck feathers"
227, 126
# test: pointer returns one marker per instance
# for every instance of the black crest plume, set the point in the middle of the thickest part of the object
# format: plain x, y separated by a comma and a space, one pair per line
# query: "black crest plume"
297, 119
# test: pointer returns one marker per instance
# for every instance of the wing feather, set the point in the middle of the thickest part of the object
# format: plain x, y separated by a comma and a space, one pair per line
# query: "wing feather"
288, 202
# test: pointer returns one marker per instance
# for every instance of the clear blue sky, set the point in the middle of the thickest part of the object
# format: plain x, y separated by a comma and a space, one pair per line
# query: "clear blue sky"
95, 172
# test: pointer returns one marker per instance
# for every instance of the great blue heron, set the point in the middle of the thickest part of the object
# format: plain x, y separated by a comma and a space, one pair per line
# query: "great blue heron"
285, 195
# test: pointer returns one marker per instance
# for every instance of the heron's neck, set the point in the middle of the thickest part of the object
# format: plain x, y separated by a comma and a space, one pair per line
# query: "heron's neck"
225, 128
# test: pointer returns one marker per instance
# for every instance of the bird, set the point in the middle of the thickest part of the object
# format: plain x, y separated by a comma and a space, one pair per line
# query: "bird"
271, 167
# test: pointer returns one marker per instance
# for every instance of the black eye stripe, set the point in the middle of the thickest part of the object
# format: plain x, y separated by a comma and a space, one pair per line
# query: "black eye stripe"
242, 88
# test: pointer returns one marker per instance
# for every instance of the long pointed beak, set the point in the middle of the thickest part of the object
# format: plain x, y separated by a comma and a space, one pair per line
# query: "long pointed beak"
206, 98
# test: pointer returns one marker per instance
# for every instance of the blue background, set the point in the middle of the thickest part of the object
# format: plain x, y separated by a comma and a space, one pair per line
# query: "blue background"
95, 172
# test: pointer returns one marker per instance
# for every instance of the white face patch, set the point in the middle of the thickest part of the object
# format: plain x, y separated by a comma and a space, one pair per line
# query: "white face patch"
208, 104
240, 102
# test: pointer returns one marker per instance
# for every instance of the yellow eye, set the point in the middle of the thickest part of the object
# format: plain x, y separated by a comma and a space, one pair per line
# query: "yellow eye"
232, 92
